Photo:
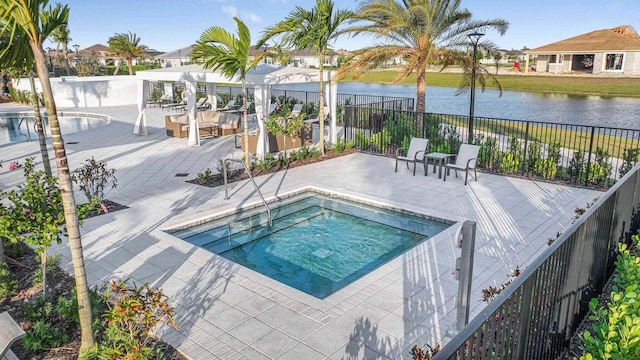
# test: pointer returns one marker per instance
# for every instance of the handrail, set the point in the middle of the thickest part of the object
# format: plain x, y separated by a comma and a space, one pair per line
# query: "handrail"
226, 190
28, 134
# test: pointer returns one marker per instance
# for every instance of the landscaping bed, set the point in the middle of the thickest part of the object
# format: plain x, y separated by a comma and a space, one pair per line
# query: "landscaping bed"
210, 179
26, 304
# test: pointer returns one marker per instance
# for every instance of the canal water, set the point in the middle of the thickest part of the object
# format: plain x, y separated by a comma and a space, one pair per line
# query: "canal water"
513, 105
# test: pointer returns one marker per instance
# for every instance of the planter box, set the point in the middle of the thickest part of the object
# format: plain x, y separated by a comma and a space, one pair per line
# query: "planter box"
277, 142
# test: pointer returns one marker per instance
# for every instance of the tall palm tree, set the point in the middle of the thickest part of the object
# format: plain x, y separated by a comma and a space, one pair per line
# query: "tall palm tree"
311, 29
414, 30
219, 49
126, 46
61, 36
19, 61
26, 16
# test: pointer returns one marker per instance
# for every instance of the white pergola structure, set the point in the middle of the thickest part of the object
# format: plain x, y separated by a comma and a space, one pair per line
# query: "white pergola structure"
261, 78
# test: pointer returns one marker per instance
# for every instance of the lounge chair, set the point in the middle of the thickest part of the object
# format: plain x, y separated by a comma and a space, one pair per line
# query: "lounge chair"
199, 105
415, 153
297, 109
173, 105
163, 99
465, 161
231, 105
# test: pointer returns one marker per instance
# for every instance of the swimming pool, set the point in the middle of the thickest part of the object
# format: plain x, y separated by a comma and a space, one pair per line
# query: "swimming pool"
21, 127
318, 243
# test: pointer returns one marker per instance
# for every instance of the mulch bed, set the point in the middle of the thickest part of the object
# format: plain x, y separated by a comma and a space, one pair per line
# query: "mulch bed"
111, 206
239, 175
23, 263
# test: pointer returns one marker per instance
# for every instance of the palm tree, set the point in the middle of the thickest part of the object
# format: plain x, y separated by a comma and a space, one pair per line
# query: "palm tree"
61, 36
311, 29
19, 60
126, 46
219, 49
26, 16
415, 30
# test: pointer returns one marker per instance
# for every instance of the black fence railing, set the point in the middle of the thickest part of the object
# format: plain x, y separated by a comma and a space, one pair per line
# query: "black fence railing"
578, 154
536, 316
312, 98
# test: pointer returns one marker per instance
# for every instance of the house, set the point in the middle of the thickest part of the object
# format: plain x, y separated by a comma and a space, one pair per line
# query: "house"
307, 58
613, 51
175, 58
98, 51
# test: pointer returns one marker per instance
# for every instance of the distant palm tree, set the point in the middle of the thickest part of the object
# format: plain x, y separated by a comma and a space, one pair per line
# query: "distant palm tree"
61, 36
18, 60
414, 30
311, 29
25, 16
219, 49
127, 47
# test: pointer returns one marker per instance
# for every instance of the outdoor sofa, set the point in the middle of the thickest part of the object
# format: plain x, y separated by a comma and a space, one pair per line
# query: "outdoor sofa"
212, 123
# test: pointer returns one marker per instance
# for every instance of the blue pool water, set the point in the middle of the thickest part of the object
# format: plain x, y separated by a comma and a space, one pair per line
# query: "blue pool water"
22, 128
317, 243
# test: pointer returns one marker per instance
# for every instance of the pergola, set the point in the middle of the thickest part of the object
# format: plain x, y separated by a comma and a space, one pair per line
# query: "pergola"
261, 78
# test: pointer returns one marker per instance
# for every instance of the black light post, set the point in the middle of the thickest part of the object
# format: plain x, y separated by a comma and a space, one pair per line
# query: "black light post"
475, 38
50, 62
77, 47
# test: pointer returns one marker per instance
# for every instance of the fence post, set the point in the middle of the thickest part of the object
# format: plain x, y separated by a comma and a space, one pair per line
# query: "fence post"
586, 175
464, 272
526, 142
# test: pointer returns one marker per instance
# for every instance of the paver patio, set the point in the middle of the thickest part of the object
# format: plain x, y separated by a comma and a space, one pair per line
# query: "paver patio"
229, 312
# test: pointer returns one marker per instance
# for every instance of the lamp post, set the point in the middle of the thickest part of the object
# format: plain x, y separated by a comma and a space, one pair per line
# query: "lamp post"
50, 62
77, 47
475, 38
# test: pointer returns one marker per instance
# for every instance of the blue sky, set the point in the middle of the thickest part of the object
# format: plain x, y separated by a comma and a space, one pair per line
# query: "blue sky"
167, 25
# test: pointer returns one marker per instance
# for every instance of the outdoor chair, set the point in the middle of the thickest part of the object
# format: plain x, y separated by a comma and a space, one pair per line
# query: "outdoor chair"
415, 153
465, 161
231, 105
297, 109
173, 105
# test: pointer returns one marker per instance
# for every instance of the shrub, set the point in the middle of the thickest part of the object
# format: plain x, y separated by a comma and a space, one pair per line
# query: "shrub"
489, 153
548, 168
132, 313
343, 145
42, 335
534, 157
264, 164
616, 327
205, 176
93, 178
512, 159
577, 166
382, 139
8, 284
629, 160
361, 140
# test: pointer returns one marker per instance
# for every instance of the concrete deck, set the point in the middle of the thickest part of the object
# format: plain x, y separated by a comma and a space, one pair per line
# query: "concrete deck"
226, 311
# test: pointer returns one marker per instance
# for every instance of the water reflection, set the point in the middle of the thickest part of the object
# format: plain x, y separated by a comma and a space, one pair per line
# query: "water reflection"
516, 105
15, 129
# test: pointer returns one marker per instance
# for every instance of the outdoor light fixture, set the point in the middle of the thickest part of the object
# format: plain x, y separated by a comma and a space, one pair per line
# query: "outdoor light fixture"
475, 38
50, 62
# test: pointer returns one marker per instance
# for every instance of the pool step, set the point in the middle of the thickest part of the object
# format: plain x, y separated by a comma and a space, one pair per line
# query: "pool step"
238, 237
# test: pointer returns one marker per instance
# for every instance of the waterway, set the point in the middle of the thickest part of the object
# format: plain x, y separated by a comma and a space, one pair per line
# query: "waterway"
514, 105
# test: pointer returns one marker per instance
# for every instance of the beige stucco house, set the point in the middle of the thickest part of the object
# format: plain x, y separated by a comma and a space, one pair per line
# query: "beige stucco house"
605, 52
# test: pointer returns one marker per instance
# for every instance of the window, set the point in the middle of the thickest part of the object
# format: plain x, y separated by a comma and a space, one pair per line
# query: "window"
553, 58
613, 61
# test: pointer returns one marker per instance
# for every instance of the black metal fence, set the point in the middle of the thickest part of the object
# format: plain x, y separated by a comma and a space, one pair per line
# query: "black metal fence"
584, 155
540, 311
312, 98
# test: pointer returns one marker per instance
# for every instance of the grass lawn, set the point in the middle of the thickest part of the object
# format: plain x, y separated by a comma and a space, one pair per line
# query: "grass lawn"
575, 85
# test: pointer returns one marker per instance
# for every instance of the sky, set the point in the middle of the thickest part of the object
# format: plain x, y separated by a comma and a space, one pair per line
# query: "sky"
167, 25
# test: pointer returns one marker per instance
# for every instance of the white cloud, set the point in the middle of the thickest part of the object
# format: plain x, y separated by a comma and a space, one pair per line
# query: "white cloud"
231, 10
253, 17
